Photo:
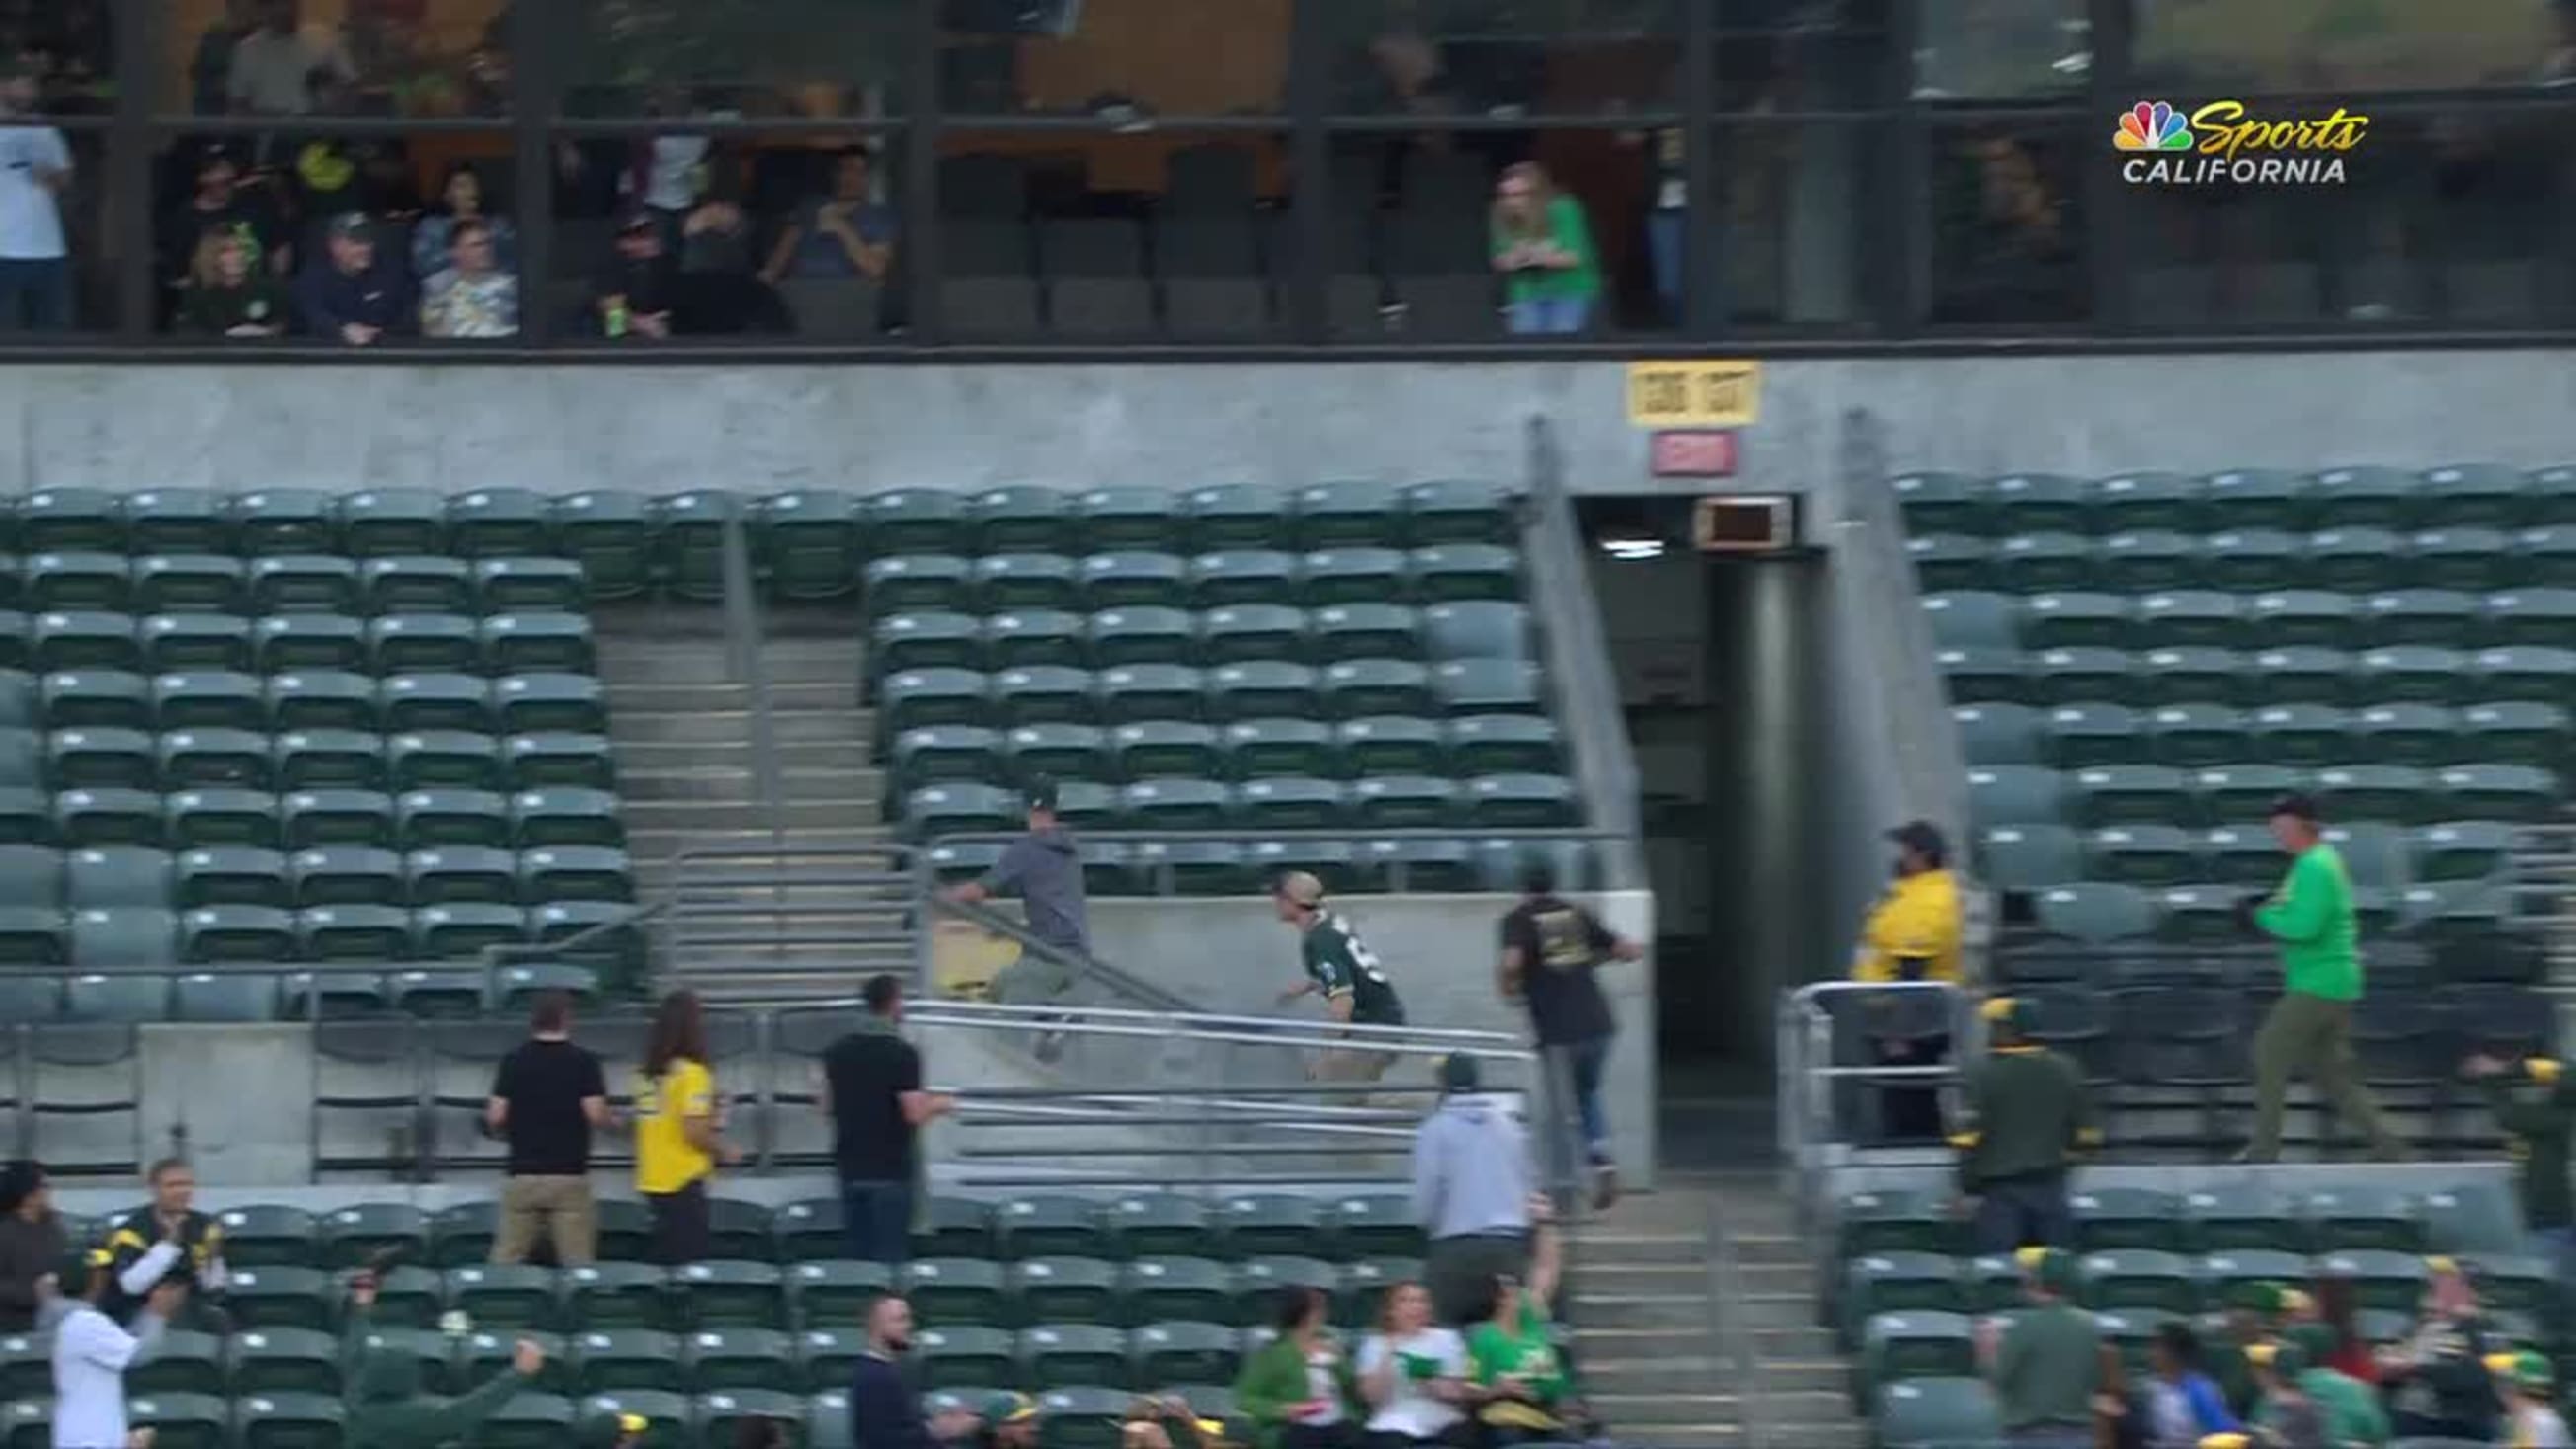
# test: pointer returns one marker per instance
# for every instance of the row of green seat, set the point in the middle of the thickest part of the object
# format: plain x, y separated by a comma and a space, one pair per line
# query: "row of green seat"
2471, 1218
1069, 1417
514, 643
2296, 618
86, 819
1345, 1226
228, 875
486, 521
2380, 857
712, 1359
2481, 495
1153, 634
1102, 582
1254, 749
2209, 913
374, 973
129, 937
2106, 795
1225, 868
2407, 674
1133, 693
2071, 736
2252, 561
305, 699
1379, 802
2153, 1280
288, 584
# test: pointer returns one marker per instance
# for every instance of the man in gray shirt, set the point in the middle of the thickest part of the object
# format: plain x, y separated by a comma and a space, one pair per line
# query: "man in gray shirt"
1044, 869
1471, 1192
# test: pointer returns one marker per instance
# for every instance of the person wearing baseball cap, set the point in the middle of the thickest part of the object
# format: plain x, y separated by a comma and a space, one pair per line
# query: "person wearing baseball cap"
2531, 1420
2308, 1032
2535, 1103
1912, 934
1008, 1420
1339, 968
91, 1354
1472, 1185
348, 295
2029, 1122
2046, 1360
1044, 869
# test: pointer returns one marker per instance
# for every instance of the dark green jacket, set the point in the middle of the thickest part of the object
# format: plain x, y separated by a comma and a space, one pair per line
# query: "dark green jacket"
2032, 1118
2541, 1124
1274, 1378
386, 1410
2048, 1367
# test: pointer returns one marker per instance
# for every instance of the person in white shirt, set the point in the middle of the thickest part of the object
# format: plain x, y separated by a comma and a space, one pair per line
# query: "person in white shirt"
273, 66
1412, 1371
35, 166
91, 1355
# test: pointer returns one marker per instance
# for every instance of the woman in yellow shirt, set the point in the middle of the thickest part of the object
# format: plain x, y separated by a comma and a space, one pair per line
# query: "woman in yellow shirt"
677, 1142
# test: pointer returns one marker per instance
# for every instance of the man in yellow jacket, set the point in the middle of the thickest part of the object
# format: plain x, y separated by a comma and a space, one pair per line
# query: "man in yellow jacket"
1912, 934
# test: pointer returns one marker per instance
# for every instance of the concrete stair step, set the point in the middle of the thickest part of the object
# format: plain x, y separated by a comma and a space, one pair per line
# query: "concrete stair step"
725, 719
655, 692
1791, 1343
1633, 1408
826, 802
653, 756
1825, 1375
1675, 1374
1703, 1436
1772, 1310
1643, 1310
1597, 1247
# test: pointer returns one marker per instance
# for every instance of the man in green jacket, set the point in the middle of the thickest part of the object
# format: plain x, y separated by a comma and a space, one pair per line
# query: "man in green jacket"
2028, 1121
2541, 1119
2309, 1030
2046, 1361
2349, 1407
386, 1410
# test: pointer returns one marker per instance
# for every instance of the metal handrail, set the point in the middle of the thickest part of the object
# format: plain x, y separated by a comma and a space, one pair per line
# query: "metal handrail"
1578, 649
1803, 1048
1082, 964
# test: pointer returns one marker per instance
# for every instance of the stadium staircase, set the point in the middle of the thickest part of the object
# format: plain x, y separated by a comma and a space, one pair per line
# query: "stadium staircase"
684, 737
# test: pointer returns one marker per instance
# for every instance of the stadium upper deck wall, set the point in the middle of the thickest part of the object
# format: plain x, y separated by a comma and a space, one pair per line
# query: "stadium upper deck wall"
567, 427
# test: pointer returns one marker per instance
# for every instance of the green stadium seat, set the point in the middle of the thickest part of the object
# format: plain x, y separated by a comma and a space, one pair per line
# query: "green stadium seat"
2461, 557
964, 1349
77, 581
565, 817
1487, 686
2371, 496
96, 699
1023, 638
2524, 672
117, 876
1021, 519
1477, 629
286, 521
27, 817
2145, 855
31, 876
1899, 1346
2303, 618
2093, 912
289, 1421
1234, 577
1182, 1352
1055, 751
1027, 581
1465, 573
920, 583
1045, 694
1272, 1224
90, 818
955, 1291
298, 583
2187, 619
2443, 618
102, 759
2407, 734
1523, 802
417, 585
2190, 736
1376, 1225
2379, 792
1503, 744
2015, 795
1899, 1281
1128, 518
2242, 855
169, 583
811, 543
209, 699
528, 1420
1181, 1288
2089, 676
1353, 575
2422, 674
422, 643
285, 1361
2000, 734
2230, 1277
2525, 732
217, 759
609, 1361
1405, 802
723, 1415
267, 1235
1943, 503
1135, 692
2077, 620
726, 1359
430, 819
608, 1294
515, 1297
2363, 1216
830, 1357
2109, 1218
670, 1417
233, 876
2301, 676
337, 817
182, 1420
2463, 850
953, 1227
457, 873
172, 520
2482, 494
492, 522
1349, 513
962, 809
1366, 631
916, 520
689, 540
1245, 633
22, 758
826, 1289
2252, 560
1986, 676
2305, 735
1264, 748
412, 702
1143, 634
443, 759
1353, 688
181, 1363
181, 641
1270, 689
928, 639
918, 698
2143, 561
531, 585
2134, 1279
464, 929
1105, 582
1975, 620
460, 1236
1289, 802
291, 643
1148, 1225
2147, 500
1459, 510
2380, 1278
1176, 804
1052, 1290
1077, 1353
611, 536
2498, 792
2198, 915
2096, 734
2473, 1217
2245, 791
2525, 617
2127, 794
2030, 857
384, 522
2238, 1218
279, 1298
321, 699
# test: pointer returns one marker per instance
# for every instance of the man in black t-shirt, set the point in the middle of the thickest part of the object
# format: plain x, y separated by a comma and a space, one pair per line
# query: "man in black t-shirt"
872, 1087
546, 1098
1551, 950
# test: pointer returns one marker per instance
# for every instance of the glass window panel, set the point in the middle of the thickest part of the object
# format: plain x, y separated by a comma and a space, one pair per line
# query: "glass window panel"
2005, 220
1503, 57
55, 202
1801, 55
1114, 235
796, 58
1794, 201
1993, 49
1125, 60
2332, 46
334, 57
732, 238
70, 47
369, 240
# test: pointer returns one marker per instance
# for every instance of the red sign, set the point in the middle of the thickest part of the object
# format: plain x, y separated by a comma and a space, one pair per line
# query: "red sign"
1695, 453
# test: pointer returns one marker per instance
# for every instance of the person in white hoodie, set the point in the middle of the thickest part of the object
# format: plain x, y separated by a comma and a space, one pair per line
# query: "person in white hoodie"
91, 1355
1471, 1191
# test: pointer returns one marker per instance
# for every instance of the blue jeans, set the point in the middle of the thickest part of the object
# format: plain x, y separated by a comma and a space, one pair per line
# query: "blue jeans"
1541, 315
1586, 1059
876, 1217
35, 294
1664, 248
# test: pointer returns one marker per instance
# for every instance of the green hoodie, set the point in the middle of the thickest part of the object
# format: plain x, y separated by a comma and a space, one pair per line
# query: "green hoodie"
386, 1410
2311, 916
2541, 1123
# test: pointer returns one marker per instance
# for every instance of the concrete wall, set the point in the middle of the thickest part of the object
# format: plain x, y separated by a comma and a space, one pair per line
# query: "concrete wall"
567, 427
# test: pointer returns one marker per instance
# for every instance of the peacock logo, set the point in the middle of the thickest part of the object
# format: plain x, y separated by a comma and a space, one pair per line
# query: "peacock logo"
2152, 126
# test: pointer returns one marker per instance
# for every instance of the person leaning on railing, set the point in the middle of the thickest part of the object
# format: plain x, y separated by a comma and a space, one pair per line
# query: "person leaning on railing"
1912, 934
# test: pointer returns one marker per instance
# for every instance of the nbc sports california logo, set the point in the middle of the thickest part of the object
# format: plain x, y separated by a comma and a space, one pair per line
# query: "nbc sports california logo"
2222, 143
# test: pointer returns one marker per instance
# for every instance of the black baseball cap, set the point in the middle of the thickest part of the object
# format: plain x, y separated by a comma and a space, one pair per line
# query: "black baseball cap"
2303, 807
1041, 794
1459, 1073
1923, 838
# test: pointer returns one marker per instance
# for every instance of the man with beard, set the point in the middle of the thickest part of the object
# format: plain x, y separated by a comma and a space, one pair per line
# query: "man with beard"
884, 1412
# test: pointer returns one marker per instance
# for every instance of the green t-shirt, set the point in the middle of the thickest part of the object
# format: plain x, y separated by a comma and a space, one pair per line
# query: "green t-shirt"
1339, 964
214, 311
1523, 1350
1566, 229
2311, 916
2048, 1366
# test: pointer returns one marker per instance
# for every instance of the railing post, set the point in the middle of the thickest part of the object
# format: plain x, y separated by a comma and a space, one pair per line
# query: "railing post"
742, 638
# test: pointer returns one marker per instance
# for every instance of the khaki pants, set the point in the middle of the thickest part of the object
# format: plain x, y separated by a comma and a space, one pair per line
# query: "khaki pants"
2311, 1036
557, 1210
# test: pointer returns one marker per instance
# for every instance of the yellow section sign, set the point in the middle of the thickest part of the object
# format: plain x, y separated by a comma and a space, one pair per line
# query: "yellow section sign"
1726, 394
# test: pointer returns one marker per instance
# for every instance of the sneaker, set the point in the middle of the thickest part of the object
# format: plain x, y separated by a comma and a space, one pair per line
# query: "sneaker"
1605, 1186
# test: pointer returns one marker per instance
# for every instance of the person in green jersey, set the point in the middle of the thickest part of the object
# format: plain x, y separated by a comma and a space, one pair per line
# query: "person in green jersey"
1516, 1377
1342, 970
2535, 1103
1542, 245
2309, 1030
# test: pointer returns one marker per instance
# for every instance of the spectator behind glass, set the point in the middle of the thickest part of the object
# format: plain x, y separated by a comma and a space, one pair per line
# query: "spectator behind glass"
1543, 245
632, 295
275, 66
35, 166
349, 295
470, 298
844, 234
718, 292
227, 295
210, 70
460, 199
221, 202
32, 1248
